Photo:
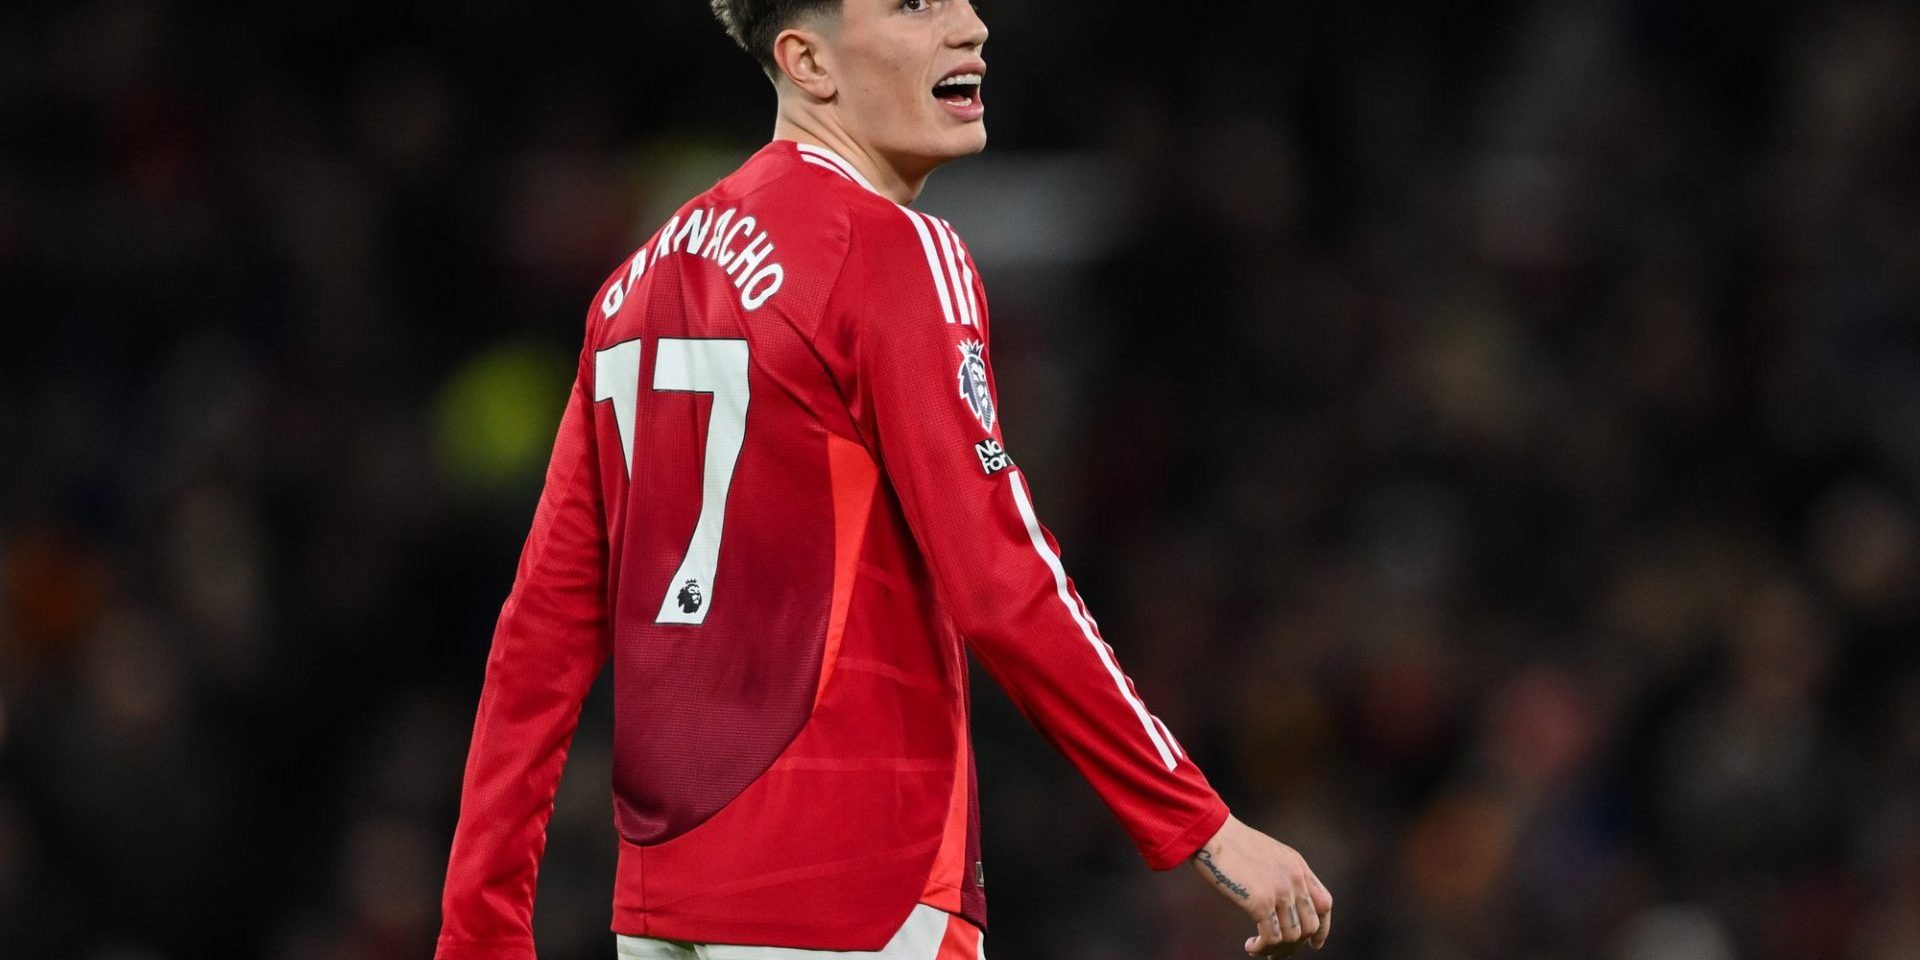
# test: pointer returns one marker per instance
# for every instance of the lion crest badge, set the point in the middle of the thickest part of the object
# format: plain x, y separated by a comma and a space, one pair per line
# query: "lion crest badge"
689, 597
973, 382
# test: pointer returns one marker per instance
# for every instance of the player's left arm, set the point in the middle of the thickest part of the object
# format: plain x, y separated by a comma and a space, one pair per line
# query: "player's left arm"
932, 410
931, 405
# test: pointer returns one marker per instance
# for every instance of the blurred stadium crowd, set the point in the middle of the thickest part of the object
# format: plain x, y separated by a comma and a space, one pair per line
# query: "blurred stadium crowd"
1488, 431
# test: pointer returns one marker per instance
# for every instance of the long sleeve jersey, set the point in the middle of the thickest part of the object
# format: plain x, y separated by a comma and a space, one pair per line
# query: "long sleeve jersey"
781, 505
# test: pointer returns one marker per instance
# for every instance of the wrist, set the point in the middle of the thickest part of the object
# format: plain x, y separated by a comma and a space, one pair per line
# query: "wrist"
1217, 841
1191, 840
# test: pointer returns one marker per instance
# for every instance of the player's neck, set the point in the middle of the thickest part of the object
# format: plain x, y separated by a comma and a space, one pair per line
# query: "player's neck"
821, 131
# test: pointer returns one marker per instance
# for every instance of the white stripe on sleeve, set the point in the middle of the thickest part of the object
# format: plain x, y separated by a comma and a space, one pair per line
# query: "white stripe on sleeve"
933, 262
1171, 742
953, 270
966, 274
1100, 650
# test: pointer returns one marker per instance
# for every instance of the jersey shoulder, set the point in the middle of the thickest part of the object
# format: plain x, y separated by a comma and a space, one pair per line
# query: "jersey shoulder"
915, 265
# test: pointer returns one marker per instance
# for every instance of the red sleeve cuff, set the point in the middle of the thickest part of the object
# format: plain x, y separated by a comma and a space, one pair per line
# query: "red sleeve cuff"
1184, 844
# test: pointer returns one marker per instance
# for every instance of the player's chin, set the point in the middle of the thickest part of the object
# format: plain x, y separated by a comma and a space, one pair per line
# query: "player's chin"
972, 139
962, 140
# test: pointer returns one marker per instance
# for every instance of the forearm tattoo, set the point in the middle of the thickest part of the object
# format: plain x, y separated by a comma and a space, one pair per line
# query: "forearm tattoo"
1219, 876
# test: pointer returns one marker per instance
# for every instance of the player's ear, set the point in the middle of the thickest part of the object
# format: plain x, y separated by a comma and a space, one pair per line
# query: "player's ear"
802, 57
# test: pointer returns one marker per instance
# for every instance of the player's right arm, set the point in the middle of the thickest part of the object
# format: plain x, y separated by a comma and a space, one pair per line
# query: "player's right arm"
549, 644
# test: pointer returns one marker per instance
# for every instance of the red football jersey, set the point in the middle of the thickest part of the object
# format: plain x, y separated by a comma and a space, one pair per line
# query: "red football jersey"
780, 502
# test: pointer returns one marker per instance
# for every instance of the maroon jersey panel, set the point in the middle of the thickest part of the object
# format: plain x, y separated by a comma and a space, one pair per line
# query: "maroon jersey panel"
717, 658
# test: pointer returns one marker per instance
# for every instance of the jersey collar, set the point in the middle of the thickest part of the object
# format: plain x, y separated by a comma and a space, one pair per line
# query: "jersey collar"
823, 157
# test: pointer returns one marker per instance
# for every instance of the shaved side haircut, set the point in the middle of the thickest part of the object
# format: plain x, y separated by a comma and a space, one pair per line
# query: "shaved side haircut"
753, 24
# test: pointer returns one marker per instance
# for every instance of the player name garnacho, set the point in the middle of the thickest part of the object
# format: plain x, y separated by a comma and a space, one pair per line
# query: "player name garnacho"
736, 243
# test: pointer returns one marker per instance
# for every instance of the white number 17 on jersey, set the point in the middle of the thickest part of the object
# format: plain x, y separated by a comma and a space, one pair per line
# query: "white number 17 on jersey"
718, 367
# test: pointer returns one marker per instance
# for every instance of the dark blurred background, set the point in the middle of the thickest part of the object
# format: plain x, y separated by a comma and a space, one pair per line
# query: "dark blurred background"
1488, 431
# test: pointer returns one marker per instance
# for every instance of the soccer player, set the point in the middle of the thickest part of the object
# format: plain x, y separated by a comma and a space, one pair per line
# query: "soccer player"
781, 503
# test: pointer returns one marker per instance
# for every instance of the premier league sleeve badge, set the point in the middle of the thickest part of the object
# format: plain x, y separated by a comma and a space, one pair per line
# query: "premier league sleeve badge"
973, 382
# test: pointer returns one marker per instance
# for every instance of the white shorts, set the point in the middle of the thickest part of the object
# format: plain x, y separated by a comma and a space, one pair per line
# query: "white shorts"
928, 934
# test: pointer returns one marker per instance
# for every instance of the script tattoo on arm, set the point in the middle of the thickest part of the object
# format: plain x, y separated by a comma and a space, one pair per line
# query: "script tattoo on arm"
1219, 876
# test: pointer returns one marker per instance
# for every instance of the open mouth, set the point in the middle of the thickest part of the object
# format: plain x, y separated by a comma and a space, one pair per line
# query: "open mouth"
959, 90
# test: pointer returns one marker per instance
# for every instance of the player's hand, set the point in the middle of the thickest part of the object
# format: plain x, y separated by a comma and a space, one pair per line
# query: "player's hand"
1272, 883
